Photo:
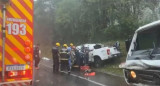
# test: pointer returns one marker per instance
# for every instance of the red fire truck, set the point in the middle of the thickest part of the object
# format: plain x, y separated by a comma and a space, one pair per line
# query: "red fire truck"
16, 42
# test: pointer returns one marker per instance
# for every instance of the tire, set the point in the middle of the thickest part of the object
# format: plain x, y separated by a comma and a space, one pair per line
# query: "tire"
97, 62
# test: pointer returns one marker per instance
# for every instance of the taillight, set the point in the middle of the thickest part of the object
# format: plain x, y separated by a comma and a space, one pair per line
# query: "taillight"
18, 73
27, 57
22, 73
12, 73
108, 51
27, 49
27, 42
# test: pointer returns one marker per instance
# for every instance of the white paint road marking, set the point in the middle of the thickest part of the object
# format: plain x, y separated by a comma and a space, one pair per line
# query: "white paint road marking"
79, 77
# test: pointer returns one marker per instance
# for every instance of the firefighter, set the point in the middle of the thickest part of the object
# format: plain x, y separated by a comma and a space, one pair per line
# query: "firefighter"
71, 45
37, 53
69, 50
78, 57
64, 57
64, 49
55, 54
72, 50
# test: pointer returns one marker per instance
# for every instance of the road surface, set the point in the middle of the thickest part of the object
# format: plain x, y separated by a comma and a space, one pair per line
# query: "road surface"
45, 77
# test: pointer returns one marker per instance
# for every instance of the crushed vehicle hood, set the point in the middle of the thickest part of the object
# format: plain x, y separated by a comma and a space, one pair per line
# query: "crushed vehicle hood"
142, 64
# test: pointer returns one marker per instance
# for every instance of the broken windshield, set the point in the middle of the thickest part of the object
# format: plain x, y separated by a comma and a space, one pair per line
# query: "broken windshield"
147, 45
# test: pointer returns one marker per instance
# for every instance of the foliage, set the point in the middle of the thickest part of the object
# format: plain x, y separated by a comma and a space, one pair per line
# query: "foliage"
99, 20
86, 21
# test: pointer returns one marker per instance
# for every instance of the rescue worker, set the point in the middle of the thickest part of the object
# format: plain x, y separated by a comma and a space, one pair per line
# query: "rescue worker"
82, 54
71, 45
37, 53
72, 51
86, 57
69, 59
78, 57
55, 54
64, 57
64, 49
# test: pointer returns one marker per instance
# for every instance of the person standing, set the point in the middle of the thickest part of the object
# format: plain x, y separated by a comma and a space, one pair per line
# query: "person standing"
69, 49
86, 55
64, 48
55, 54
117, 45
37, 53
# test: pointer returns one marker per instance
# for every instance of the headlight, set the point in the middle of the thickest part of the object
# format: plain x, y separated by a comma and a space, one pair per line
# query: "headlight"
133, 74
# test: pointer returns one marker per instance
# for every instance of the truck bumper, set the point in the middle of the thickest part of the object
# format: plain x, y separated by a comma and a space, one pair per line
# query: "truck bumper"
143, 77
17, 83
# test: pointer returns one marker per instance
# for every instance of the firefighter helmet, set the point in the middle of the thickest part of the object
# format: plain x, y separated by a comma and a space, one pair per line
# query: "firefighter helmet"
65, 45
71, 44
58, 44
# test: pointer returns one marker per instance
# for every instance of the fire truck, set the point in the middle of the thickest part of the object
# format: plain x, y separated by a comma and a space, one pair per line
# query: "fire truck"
16, 42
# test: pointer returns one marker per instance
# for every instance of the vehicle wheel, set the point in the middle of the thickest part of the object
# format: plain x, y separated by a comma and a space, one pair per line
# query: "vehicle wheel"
97, 62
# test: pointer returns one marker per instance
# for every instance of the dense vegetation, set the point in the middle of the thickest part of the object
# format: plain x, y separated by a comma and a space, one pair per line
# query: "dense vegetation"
82, 21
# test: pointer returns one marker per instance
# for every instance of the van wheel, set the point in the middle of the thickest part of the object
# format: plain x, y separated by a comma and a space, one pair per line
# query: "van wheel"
97, 62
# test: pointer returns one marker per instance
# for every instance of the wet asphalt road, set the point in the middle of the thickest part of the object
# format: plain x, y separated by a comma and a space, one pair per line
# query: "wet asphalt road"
45, 77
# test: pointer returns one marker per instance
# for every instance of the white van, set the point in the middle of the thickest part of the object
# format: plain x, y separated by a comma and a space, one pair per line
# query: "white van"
143, 59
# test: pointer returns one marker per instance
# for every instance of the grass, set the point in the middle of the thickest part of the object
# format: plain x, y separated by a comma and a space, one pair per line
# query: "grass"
111, 66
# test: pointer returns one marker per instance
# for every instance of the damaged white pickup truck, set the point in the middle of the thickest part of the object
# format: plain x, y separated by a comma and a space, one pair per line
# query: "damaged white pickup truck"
142, 64
98, 53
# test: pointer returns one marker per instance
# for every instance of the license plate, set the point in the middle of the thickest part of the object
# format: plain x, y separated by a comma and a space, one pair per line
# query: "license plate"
15, 67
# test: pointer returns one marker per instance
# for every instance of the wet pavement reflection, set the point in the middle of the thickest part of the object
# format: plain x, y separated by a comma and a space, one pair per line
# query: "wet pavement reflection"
45, 77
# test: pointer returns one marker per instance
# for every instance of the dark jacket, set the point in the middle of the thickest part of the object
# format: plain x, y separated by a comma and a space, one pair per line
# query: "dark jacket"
36, 52
55, 53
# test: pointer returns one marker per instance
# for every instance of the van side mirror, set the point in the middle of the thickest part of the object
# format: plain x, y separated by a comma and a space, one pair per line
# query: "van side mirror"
128, 43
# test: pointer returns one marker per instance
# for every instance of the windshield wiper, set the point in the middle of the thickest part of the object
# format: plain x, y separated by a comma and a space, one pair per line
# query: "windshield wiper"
148, 50
151, 53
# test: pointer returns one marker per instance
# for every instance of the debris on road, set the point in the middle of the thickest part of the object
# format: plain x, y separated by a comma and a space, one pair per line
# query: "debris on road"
45, 58
83, 68
87, 71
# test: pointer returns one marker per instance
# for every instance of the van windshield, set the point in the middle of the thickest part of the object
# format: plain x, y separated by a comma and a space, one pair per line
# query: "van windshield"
146, 45
148, 39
